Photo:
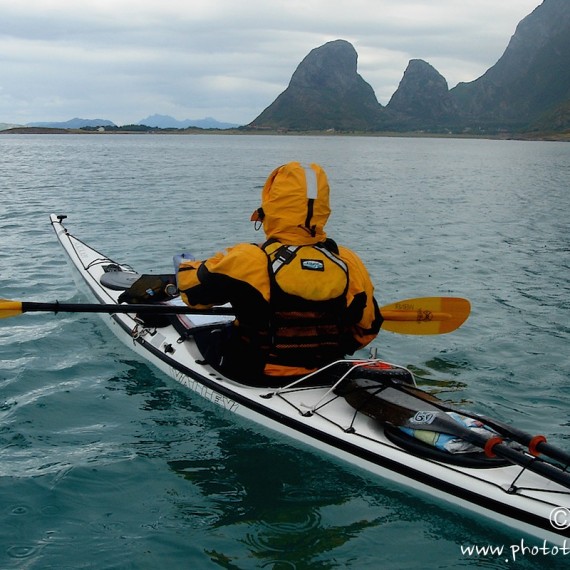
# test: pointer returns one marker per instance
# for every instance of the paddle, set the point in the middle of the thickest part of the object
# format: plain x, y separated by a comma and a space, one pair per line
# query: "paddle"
492, 445
427, 315
396, 405
536, 444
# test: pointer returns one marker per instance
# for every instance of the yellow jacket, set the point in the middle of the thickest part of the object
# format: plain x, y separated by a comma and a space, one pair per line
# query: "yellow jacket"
295, 208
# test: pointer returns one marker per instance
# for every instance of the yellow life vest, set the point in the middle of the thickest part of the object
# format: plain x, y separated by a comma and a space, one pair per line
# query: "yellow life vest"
308, 304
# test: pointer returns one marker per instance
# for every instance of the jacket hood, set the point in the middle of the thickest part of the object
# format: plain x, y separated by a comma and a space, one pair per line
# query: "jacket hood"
295, 203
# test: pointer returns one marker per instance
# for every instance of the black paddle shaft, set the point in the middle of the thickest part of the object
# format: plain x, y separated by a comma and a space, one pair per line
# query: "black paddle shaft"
539, 442
57, 307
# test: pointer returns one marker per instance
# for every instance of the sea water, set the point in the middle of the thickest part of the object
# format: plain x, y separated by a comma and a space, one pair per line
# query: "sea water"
107, 463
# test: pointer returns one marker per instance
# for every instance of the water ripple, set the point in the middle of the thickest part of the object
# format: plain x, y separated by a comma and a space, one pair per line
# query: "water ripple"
112, 463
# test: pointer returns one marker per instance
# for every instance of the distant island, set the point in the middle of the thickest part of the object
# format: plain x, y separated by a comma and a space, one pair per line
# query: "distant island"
153, 122
167, 122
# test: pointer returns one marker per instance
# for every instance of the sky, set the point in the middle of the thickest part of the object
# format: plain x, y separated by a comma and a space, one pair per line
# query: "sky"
123, 60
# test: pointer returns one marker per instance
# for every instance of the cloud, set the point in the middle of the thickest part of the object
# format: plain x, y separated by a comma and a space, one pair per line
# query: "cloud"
125, 59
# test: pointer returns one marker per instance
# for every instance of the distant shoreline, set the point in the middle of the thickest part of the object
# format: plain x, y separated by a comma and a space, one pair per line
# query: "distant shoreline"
550, 136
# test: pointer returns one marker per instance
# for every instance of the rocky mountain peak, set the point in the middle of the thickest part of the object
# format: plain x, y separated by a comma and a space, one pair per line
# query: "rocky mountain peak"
330, 66
422, 94
325, 92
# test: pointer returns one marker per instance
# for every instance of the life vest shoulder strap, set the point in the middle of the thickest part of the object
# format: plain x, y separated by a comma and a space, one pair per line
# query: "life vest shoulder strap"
307, 272
283, 255
280, 254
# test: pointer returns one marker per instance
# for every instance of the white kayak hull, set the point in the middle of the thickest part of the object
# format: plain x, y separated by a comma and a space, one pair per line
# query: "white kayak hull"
510, 495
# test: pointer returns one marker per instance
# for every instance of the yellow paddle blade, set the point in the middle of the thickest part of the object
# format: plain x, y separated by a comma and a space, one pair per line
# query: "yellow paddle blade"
425, 315
10, 308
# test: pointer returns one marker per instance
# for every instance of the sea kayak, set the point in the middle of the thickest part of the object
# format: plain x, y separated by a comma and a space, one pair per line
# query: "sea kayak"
366, 412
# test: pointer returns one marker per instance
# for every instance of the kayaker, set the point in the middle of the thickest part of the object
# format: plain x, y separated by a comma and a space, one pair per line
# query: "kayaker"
300, 300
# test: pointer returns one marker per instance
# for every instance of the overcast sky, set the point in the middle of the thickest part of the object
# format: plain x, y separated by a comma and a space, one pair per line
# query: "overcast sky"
124, 60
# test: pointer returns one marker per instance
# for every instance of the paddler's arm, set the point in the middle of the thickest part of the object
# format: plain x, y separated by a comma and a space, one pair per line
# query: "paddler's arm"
364, 317
237, 275
192, 291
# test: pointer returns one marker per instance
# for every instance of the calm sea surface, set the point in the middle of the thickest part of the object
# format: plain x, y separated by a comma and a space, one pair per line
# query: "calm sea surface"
106, 463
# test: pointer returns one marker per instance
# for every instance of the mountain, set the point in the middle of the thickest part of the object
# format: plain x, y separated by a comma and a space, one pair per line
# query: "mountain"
531, 77
167, 122
325, 92
423, 97
528, 89
74, 124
